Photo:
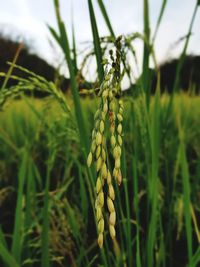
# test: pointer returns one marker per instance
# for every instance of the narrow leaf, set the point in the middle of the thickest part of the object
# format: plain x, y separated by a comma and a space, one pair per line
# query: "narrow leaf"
96, 41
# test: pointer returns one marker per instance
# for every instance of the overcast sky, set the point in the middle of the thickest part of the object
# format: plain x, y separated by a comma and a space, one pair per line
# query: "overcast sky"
28, 18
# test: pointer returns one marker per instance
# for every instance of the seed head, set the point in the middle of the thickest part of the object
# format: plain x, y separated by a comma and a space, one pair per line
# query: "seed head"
96, 203
101, 126
101, 225
115, 172
101, 199
112, 128
110, 205
119, 128
96, 115
111, 192
93, 146
109, 178
119, 117
99, 163
99, 213
116, 152
93, 134
121, 110
104, 61
110, 95
119, 177
105, 85
113, 140
104, 171
121, 104
98, 151
103, 154
105, 107
112, 105
119, 150
105, 93
98, 138
100, 240
119, 138
107, 77
114, 91
112, 231
117, 163
112, 218
98, 185
89, 159
97, 124
112, 70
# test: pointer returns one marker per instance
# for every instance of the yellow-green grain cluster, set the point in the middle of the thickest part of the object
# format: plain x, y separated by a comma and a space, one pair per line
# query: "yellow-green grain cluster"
107, 140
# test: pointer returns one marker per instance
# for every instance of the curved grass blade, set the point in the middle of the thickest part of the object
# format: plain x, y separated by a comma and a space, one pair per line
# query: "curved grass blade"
7, 257
96, 40
105, 15
159, 19
12, 66
64, 43
54, 34
196, 258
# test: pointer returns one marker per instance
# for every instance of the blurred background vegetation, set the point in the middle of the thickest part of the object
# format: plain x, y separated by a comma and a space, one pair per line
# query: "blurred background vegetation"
46, 190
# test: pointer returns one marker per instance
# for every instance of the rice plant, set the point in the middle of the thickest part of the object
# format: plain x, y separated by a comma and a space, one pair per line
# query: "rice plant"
62, 157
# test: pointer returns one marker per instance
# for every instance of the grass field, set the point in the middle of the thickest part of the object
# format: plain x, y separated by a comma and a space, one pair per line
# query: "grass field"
100, 180
45, 145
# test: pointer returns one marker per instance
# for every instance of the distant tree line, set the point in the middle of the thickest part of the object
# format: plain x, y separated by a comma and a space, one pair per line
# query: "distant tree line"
27, 60
189, 75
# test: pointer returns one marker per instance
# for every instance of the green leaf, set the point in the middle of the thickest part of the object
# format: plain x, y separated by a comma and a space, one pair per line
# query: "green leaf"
96, 41
7, 257
74, 50
54, 34
18, 226
64, 43
146, 53
164, 2
2, 238
105, 15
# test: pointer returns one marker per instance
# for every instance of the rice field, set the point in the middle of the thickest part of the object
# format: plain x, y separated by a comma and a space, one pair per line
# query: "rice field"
99, 178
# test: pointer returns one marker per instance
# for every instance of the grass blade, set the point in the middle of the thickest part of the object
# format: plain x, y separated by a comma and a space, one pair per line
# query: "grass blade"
7, 257
2, 238
106, 17
163, 6
186, 196
17, 234
196, 258
146, 53
154, 132
74, 50
96, 40
45, 228
54, 34
12, 66
66, 49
